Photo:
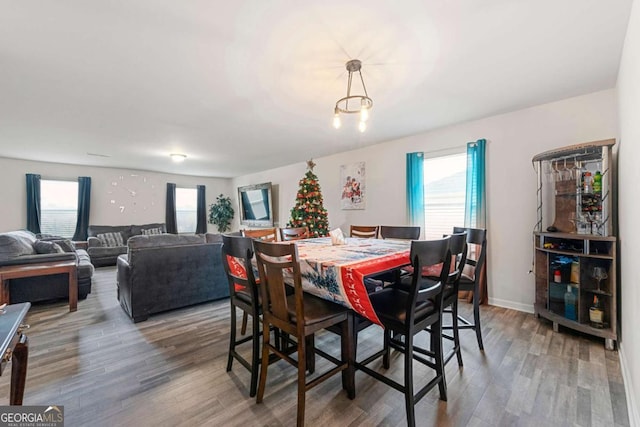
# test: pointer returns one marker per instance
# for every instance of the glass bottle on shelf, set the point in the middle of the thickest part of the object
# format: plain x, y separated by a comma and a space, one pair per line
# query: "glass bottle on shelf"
587, 184
596, 314
597, 183
570, 304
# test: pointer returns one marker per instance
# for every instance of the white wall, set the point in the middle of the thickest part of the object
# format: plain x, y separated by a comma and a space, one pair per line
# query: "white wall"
513, 139
118, 196
628, 91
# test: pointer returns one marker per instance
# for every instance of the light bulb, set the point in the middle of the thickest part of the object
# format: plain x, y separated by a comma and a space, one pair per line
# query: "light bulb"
336, 120
364, 111
362, 126
364, 114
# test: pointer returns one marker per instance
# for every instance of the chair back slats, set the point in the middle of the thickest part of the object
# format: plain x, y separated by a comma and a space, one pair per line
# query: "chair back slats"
237, 253
458, 248
277, 295
476, 250
424, 254
364, 231
273, 259
400, 232
294, 233
263, 234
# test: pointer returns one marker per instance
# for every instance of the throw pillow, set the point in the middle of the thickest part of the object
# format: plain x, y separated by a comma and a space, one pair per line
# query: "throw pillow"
151, 231
111, 239
12, 246
45, 247
66, 245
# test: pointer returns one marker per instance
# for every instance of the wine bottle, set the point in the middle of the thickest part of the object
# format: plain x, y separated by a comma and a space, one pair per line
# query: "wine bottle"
596, 314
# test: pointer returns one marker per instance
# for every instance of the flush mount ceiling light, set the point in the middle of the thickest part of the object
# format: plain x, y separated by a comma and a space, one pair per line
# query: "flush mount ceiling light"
177, 157
352, 104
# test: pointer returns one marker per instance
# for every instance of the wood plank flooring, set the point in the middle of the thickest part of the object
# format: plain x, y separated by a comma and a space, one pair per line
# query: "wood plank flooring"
170, 371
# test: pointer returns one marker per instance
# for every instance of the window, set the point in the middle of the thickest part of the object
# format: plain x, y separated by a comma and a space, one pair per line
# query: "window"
58, 207
186, 209
444, 193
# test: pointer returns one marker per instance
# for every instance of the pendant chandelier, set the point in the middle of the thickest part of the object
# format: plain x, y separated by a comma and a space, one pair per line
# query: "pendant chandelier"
352, 104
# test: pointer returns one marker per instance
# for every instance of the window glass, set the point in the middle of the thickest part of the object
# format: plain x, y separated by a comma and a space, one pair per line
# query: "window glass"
186, 209
58, 207
444, 193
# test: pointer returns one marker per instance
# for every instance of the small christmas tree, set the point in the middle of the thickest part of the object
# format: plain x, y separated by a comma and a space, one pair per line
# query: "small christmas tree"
308, 211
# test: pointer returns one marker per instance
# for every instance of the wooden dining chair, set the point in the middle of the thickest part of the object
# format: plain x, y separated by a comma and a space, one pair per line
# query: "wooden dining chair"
407, 313
294, 233
237, 253
400, 232
263, 234
458, 248
473, 276
364, 231
300, 315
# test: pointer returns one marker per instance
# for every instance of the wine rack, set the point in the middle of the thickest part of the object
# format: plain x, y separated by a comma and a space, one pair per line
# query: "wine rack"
576, 249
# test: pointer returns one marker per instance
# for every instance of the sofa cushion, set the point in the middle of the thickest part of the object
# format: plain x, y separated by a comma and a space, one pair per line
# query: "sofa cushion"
111, 239
158, 240
136, 230
15, 244
151, 231
94, 230
46, 247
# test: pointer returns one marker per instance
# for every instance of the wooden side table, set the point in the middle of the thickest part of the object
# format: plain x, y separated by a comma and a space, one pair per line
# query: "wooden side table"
14, 346
41, 269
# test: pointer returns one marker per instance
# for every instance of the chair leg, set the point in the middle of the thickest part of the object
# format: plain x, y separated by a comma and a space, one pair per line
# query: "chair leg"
387, 348
436, 347
476, 318
302, 369
255, 353
456, 331
265, 360
408, 381
243, 328
310, 353
232, 338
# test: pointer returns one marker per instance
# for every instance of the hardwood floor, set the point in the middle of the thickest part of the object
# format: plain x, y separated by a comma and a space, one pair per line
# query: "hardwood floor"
170, 370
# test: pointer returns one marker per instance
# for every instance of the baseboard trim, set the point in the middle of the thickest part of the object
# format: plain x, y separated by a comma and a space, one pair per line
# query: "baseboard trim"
527, 308
634, 416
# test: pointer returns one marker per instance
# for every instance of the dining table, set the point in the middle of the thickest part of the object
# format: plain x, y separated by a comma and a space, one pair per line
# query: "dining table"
338, 272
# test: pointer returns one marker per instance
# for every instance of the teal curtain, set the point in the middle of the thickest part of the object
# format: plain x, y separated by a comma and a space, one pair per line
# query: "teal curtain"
475, 208
170, 211
201, 213
84, 207
33, 203
415, 189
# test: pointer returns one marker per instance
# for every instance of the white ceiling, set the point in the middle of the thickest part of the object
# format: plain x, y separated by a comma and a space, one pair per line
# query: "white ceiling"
250, 85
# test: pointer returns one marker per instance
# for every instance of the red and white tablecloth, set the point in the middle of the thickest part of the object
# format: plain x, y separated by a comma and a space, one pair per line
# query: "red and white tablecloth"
337, 272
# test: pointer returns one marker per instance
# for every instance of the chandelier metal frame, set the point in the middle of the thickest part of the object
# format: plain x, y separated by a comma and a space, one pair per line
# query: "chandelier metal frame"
363, 101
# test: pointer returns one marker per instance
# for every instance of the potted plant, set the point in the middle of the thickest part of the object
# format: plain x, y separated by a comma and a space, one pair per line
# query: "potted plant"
221, 213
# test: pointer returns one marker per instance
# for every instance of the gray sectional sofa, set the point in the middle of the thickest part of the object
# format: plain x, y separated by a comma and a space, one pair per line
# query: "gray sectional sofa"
168, 271
106, 253
23, 247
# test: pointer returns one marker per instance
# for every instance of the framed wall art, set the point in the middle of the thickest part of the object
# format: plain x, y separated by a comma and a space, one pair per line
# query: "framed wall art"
352, 179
